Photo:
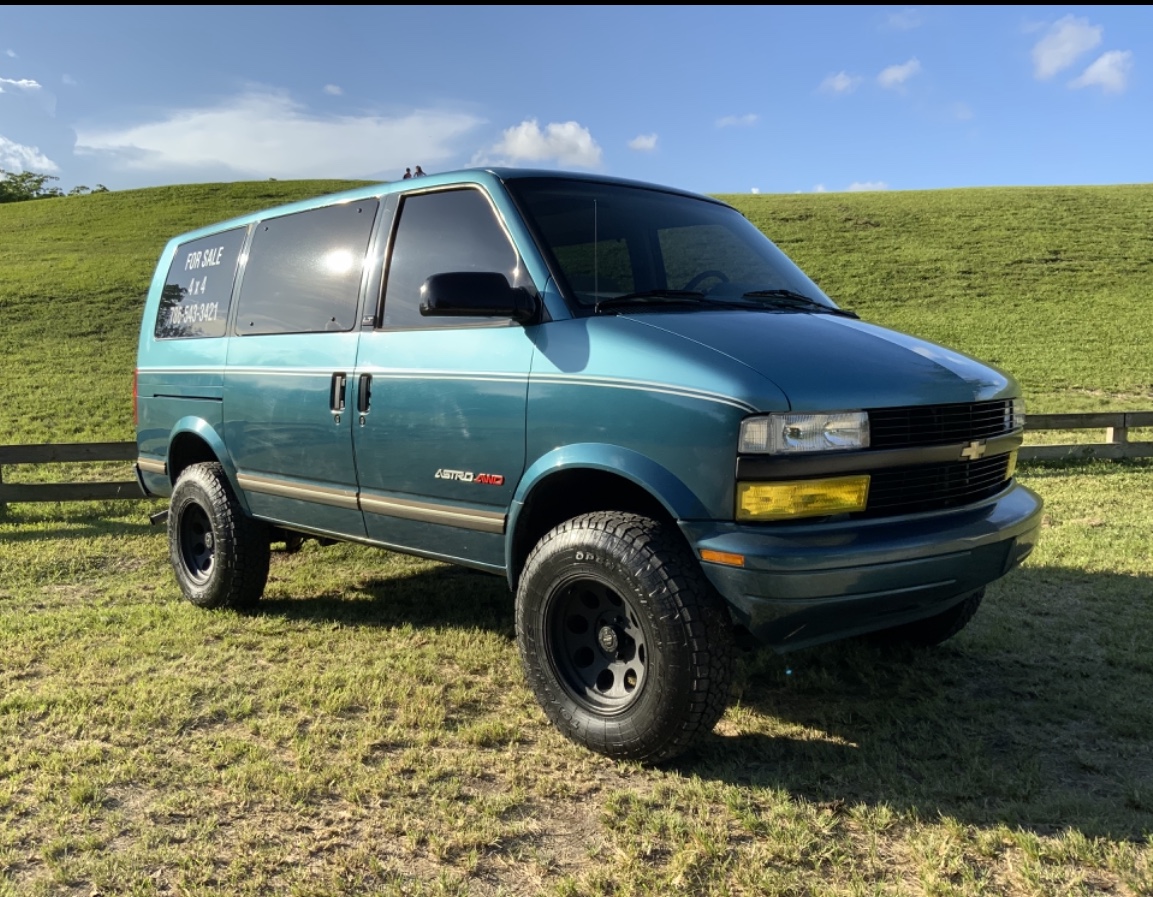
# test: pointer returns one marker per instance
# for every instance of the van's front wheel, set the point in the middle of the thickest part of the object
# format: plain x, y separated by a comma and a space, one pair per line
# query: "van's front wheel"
625, 643
220, 555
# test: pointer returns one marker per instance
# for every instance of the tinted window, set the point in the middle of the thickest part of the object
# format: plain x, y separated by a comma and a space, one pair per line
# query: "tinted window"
687, 251
198, 287
303, 272
662, 240
597, 269
438, 233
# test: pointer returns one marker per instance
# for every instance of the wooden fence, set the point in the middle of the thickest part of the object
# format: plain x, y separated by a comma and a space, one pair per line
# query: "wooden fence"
67, 452
1116, 425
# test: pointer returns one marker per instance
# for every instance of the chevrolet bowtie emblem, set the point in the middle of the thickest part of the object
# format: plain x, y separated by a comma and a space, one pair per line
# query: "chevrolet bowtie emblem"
973, 450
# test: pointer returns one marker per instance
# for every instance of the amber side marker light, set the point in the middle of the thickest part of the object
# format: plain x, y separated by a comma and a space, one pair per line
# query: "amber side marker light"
723, 557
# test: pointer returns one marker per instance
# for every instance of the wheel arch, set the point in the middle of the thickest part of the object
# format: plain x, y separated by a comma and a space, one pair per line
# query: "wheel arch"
579, 479
194, 441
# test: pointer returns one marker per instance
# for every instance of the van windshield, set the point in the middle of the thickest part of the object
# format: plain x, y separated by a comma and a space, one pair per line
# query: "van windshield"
619, 246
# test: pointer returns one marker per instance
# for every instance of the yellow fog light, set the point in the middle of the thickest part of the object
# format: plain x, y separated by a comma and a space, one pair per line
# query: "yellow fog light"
1012, 466
801, 498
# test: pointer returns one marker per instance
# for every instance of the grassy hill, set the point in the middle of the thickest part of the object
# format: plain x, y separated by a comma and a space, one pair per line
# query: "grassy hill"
1052, 284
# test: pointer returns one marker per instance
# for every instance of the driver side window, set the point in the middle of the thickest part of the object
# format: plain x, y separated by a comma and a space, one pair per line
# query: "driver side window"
439, 233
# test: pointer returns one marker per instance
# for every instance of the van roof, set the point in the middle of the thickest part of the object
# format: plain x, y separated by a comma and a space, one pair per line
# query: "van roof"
481, 175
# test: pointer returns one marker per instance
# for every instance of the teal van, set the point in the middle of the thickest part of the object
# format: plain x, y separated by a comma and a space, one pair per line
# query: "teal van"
621, 397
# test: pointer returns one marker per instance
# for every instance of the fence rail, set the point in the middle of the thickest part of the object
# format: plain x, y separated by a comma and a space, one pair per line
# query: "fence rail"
66, 452
1116, 425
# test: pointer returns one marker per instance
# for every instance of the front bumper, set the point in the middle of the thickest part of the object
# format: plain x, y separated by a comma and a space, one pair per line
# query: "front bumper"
803, 585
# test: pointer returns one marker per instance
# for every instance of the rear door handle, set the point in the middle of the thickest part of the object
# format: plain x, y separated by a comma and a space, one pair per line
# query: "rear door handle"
364, 393
336, 392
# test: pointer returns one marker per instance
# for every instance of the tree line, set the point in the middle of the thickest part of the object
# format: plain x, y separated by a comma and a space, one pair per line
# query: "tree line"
18, 186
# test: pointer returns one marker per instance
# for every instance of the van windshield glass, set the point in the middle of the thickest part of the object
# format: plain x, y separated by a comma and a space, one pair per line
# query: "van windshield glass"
614, 241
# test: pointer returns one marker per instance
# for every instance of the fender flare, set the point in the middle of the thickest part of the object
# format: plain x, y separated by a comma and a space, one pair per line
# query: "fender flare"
677, 499
206, 433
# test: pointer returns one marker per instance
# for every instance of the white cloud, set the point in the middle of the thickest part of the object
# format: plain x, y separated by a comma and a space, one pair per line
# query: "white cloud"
1110, 72
566, 143
962, 111
68, 79
643, 143
1065, 40
820, 188
11, 54
734, 121
755, 191
863, 186
22, 84
896, 75
841, 82
18, 157
263, 133
905, 20
333, 90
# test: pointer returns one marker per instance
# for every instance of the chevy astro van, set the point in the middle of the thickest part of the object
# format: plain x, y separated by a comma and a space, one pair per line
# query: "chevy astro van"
621, 397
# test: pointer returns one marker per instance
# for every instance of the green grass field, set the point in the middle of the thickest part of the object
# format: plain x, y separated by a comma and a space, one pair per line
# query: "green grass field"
369, 731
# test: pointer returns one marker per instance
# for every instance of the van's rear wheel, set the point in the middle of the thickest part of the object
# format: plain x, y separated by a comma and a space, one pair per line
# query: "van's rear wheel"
220, 555
626, 645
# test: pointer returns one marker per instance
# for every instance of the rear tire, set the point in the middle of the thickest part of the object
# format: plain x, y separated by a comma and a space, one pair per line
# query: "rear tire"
220, 555
932, 630
626, 645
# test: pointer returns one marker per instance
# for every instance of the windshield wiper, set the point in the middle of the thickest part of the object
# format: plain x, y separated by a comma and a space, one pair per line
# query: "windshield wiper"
795, 299
654, 298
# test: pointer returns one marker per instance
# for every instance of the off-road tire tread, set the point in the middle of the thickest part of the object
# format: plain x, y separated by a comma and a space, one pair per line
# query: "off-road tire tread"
649, 549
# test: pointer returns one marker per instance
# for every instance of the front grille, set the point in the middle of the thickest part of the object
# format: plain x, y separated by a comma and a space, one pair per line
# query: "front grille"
938, 424
934, 487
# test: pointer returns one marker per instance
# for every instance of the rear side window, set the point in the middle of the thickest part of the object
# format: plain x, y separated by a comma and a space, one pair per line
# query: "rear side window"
198, 288
304, 270
439, 233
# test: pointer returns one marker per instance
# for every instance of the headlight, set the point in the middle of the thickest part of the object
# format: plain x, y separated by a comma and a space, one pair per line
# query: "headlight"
778, 434
1016, 414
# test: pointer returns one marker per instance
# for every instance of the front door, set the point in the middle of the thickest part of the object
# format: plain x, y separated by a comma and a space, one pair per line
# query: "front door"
440, 442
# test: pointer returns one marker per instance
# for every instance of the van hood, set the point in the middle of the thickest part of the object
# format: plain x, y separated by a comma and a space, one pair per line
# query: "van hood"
825, 362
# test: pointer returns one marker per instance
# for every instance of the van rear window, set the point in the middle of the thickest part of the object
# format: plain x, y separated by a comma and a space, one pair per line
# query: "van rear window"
198, 287
304, 270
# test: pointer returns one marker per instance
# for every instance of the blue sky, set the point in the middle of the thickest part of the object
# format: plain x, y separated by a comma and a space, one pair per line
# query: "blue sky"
709, 98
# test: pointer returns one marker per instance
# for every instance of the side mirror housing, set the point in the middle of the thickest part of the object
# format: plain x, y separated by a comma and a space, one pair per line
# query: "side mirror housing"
476, 294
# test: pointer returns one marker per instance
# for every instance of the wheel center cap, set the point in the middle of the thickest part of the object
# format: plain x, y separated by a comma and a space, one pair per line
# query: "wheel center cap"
608, 640
208, 541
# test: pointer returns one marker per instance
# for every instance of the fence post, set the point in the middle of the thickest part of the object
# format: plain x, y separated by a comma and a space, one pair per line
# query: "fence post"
1117, 435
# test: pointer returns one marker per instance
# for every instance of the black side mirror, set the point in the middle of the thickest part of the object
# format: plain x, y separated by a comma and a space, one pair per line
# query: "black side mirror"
475, 294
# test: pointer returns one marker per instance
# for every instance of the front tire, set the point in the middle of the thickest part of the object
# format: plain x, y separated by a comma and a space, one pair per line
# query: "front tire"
626, 645
220, 555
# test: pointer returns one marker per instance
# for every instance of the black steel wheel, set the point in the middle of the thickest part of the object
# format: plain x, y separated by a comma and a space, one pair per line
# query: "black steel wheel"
219, 555
626, 645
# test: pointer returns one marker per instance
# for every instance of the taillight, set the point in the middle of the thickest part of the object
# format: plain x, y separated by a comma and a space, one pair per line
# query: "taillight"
135, 399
